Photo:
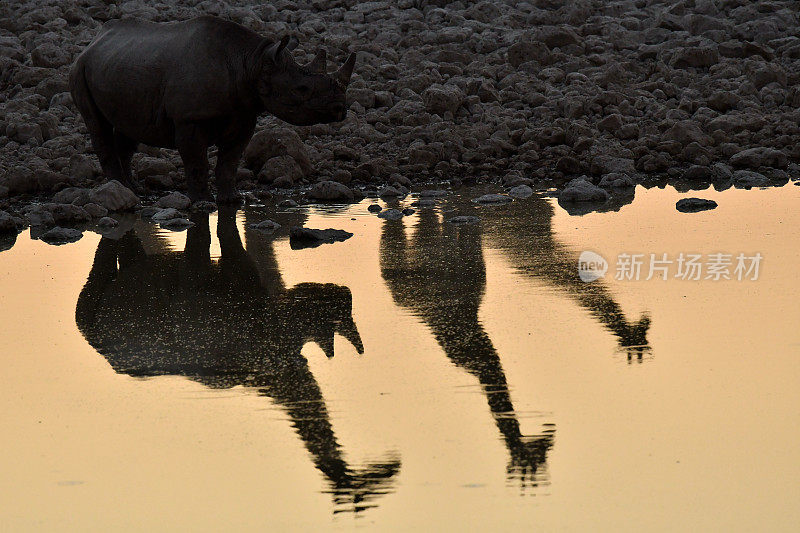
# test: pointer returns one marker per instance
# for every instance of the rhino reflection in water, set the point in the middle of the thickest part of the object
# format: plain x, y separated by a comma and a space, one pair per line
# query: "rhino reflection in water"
226, 323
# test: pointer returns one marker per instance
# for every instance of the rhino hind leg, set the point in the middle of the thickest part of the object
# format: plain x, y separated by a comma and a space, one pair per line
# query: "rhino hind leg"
228, 157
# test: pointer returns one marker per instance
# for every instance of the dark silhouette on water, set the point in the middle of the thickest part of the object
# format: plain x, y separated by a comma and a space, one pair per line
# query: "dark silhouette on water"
439, 274
226, 323
523, 231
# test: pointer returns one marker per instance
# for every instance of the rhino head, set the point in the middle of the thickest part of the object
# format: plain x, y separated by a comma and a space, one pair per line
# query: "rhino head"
302, 94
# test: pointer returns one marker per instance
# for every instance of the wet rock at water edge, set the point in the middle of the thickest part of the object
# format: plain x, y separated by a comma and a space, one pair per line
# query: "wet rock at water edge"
521, 191
174, 200
747, 179
7, 224
374, 208
408, 211
107, 222
693, 205
266, 226
388, 191
59, 235
581, 190
114, 196
331, 191
433, 193
493, 199
177, 224
391, 214
204, 206
38, 216
308, 237
288, 202
166, 214
464, 220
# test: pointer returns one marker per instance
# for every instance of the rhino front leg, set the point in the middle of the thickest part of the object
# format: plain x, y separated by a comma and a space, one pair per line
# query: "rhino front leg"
192, 144
228, 157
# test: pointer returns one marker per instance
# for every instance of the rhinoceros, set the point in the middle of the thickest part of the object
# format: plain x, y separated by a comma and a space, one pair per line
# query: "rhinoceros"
192, 84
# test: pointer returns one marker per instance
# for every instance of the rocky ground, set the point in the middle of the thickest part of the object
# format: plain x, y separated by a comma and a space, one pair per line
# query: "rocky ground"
586, 97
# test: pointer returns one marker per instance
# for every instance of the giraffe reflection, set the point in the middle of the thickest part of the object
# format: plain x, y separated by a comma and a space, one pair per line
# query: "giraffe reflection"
440, 276
523, 231
226, 323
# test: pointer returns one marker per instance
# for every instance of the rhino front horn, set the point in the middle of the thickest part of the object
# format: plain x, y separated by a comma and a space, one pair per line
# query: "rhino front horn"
319, 63
343, 74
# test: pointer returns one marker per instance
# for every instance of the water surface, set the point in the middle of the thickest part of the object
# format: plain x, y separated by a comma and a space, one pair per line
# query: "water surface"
419, 374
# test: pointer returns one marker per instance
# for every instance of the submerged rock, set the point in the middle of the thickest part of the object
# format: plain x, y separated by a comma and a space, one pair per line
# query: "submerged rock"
374, 208
166, 214
693, 205
492, 199
177, 224
308, 237
464, 219
107, 222
331, 191
391, 214
521, 191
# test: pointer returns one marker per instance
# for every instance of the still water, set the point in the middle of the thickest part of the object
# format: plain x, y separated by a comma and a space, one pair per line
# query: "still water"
420, 375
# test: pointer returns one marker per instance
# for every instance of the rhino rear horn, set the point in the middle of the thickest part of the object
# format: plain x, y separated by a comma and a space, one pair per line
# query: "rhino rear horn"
319, 62
343, 74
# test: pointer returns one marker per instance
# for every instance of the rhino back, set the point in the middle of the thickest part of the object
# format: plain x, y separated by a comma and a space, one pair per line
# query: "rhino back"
145, 76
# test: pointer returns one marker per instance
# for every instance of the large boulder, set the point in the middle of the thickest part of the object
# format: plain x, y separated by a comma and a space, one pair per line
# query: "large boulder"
114, 196
270, 143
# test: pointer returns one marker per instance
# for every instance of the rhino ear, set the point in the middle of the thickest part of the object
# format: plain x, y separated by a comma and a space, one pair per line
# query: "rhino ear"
274, 50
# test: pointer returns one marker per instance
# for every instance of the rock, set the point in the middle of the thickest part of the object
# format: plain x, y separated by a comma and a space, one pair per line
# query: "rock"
374, 208
177, 224
612, 123
94, 210
174, 200
695, 57
580, 190
37, 216
204, 206
520, 191
686, 132
267, 226
391, 214
169, 213
288, 202
331, 191
276, 142
81, 168
69, 214
114, 196
149, 211
433, 193
441, 99
408, 212
747, 179
389, 191
307, 237
464, 219
107, 222
58, 236
527, 50
7, 224
281, 171
72, 195
760, 157
693, 205
490, 199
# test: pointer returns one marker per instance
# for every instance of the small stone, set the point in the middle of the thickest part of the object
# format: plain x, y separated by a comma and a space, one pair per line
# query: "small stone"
433, 193
331, 191
408, 211
693, 205
389, 192
114, 196
94, 210
374, 208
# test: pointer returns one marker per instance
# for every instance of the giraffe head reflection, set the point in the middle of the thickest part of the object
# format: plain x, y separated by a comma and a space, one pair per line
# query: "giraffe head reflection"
225, 323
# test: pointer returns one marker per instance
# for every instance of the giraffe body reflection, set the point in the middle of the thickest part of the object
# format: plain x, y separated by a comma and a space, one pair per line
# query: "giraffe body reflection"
226, 323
